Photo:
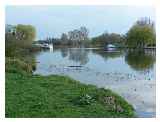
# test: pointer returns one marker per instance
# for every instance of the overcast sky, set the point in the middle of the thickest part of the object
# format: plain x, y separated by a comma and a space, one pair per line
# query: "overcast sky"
54, 20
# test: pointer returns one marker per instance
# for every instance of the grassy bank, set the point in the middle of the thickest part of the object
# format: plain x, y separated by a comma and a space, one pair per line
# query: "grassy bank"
29, 95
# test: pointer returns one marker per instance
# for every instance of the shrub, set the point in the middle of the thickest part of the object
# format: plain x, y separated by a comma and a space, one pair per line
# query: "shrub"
16, 65
84, 99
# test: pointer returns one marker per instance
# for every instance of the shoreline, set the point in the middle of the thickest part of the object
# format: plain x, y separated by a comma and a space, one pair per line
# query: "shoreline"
29, 95
141, 98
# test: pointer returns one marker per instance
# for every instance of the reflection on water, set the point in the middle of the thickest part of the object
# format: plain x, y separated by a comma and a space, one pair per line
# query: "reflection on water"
140, 60
129, 73
109, 54
79, 55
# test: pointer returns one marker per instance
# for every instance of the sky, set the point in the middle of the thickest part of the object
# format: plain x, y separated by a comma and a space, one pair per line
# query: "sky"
52, 21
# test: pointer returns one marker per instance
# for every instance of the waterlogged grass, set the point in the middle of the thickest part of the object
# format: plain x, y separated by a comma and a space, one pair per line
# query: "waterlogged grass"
30, 95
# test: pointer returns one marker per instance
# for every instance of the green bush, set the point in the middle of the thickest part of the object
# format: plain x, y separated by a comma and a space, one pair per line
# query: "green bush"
84, 99
18, 66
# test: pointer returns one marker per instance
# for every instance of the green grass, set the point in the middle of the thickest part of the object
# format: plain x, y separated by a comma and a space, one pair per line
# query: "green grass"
30, 95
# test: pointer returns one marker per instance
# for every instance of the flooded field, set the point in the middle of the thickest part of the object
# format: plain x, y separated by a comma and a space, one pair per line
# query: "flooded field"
131, 74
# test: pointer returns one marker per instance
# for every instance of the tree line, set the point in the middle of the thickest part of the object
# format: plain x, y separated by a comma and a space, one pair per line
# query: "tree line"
77, 38
142, 34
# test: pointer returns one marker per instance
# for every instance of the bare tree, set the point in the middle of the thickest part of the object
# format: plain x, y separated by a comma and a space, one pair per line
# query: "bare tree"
145, 21
78, 36
84, 33
64, 38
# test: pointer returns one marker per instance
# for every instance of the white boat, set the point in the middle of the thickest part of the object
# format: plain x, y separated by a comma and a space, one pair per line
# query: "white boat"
110, 47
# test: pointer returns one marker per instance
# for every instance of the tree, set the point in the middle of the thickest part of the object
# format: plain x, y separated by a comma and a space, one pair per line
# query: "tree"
108, 38
18, 37
141, 35
84, 33
100, 40
10, 44
64, 39
145, 21
73, 37
115, 39
25, 34
78, 37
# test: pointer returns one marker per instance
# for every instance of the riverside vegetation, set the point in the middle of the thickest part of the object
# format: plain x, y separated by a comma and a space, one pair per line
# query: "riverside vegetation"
29, 95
